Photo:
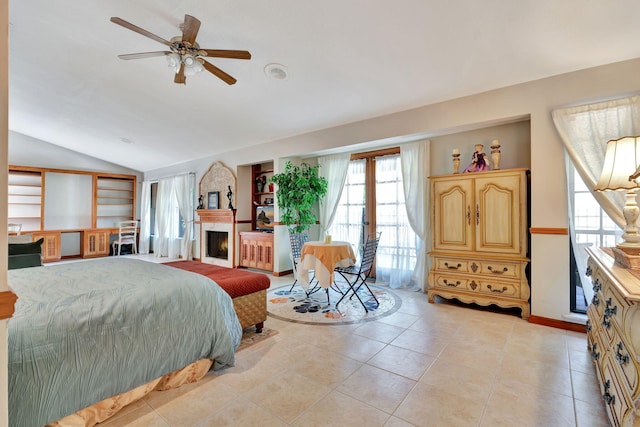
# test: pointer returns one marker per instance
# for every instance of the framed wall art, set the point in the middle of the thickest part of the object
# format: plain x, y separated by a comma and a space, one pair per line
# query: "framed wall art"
213, 199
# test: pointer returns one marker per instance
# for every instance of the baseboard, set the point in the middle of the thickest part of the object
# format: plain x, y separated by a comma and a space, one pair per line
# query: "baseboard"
282, 273
560, 324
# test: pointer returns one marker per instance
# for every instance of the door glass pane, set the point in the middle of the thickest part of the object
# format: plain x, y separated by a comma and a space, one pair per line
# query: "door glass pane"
347, 224
397, 251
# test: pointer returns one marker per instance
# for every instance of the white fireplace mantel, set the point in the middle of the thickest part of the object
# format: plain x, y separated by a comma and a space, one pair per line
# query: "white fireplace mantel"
222, 220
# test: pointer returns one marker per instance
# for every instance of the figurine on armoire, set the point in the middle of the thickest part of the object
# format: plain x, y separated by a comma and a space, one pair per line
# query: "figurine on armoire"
478, 161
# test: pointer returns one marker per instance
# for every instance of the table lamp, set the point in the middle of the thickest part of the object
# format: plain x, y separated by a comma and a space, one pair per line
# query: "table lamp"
621, 164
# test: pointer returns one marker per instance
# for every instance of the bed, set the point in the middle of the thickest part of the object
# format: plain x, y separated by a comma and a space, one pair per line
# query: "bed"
85, 331
248, 289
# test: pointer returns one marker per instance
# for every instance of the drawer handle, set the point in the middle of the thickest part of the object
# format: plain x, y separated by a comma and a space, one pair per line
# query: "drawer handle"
504, 270
595, 354
595, 300
608, 311
597, 285
621, 358
453, 285
588, 272
589, 327
497, 291
452, 267
610, 399
606, 322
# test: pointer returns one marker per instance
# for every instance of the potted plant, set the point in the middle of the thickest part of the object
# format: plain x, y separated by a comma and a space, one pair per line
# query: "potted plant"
299, 188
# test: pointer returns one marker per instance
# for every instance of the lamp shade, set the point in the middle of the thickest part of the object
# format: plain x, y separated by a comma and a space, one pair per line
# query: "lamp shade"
622, 159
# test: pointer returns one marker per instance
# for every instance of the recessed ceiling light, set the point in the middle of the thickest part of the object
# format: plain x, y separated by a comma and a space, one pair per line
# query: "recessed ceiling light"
276, 71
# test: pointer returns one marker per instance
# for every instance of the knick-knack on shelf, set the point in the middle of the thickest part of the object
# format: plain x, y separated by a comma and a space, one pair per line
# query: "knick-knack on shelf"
456, 160
478, 160
495, 153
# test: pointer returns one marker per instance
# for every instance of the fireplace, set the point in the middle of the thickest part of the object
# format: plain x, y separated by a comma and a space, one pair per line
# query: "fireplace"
218, 244
217, 237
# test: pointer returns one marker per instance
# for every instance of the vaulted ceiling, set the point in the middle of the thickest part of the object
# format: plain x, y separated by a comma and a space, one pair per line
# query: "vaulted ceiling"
346, 60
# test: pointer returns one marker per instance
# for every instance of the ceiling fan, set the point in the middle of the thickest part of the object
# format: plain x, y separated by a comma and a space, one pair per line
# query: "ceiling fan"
184, 54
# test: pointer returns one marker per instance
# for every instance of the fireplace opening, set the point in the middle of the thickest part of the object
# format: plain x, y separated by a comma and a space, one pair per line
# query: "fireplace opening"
218, 244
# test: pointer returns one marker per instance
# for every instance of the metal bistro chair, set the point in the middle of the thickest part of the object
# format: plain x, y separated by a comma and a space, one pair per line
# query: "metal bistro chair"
360, 273
127, 233
296, 240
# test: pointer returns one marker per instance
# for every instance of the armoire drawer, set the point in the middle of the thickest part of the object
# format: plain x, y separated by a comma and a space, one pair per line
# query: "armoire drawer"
452, 265
452, 281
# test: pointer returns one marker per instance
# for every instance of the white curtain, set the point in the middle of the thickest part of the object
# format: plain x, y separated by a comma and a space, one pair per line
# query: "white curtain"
334, 170
585, 131
414, 158
145, 218
175, 198
397, 254
164, 244
184, 186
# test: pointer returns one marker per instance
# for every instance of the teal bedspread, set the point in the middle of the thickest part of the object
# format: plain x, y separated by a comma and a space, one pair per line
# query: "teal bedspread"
85, 331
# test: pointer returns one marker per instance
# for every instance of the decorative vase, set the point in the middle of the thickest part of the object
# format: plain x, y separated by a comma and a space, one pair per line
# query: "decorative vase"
456, 163
495, 154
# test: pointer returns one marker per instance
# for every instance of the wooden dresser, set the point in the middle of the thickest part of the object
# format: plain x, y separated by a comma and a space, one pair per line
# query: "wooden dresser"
613, 335
479, 227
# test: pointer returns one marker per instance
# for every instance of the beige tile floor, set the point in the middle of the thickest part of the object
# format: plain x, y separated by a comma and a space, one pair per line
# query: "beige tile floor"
425, 365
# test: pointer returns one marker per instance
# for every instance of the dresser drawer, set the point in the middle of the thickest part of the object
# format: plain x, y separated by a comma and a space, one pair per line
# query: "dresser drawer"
614, 306
454, 265
500, 288
622, 358
616, 400
446, 281
507, 270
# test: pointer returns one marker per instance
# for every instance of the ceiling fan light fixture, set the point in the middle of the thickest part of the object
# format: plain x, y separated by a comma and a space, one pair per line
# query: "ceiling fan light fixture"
191, 65
173, 61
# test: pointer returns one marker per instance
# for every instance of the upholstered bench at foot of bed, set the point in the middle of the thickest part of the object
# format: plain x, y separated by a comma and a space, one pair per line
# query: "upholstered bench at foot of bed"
252, 309
247, 289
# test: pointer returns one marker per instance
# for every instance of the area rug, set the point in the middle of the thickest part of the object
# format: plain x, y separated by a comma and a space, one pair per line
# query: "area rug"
251, 337
296, 306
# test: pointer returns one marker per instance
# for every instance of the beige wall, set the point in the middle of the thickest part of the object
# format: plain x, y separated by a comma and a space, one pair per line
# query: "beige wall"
534, 100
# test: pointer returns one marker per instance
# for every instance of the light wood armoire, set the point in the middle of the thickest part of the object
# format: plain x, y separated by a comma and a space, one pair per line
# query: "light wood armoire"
479, 228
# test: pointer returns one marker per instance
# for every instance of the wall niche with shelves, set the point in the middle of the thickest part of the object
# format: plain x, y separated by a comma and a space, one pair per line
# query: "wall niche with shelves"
262, 189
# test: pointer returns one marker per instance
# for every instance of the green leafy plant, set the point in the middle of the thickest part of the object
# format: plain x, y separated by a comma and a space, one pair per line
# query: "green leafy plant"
299, 188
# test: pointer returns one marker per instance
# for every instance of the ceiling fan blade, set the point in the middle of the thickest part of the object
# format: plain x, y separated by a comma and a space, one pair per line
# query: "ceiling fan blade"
139, 30
127, 56
190, 30
180, 78
235, 54
219, 73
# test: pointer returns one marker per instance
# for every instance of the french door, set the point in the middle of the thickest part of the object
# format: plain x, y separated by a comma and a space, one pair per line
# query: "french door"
373, 200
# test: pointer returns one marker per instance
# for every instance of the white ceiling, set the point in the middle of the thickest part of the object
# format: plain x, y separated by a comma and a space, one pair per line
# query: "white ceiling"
347, 60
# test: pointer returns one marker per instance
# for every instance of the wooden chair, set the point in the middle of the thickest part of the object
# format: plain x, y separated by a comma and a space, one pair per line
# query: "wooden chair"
14, 229
127, 235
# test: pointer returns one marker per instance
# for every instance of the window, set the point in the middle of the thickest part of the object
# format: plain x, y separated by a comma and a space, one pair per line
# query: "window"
373, 200
593, 227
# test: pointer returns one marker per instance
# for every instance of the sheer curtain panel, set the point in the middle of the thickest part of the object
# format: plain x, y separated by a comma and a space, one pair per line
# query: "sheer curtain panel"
585, 131
145, 218
334, 170
414, 158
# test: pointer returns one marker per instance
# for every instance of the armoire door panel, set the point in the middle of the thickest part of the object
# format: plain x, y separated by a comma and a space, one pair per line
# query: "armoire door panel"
452, 211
